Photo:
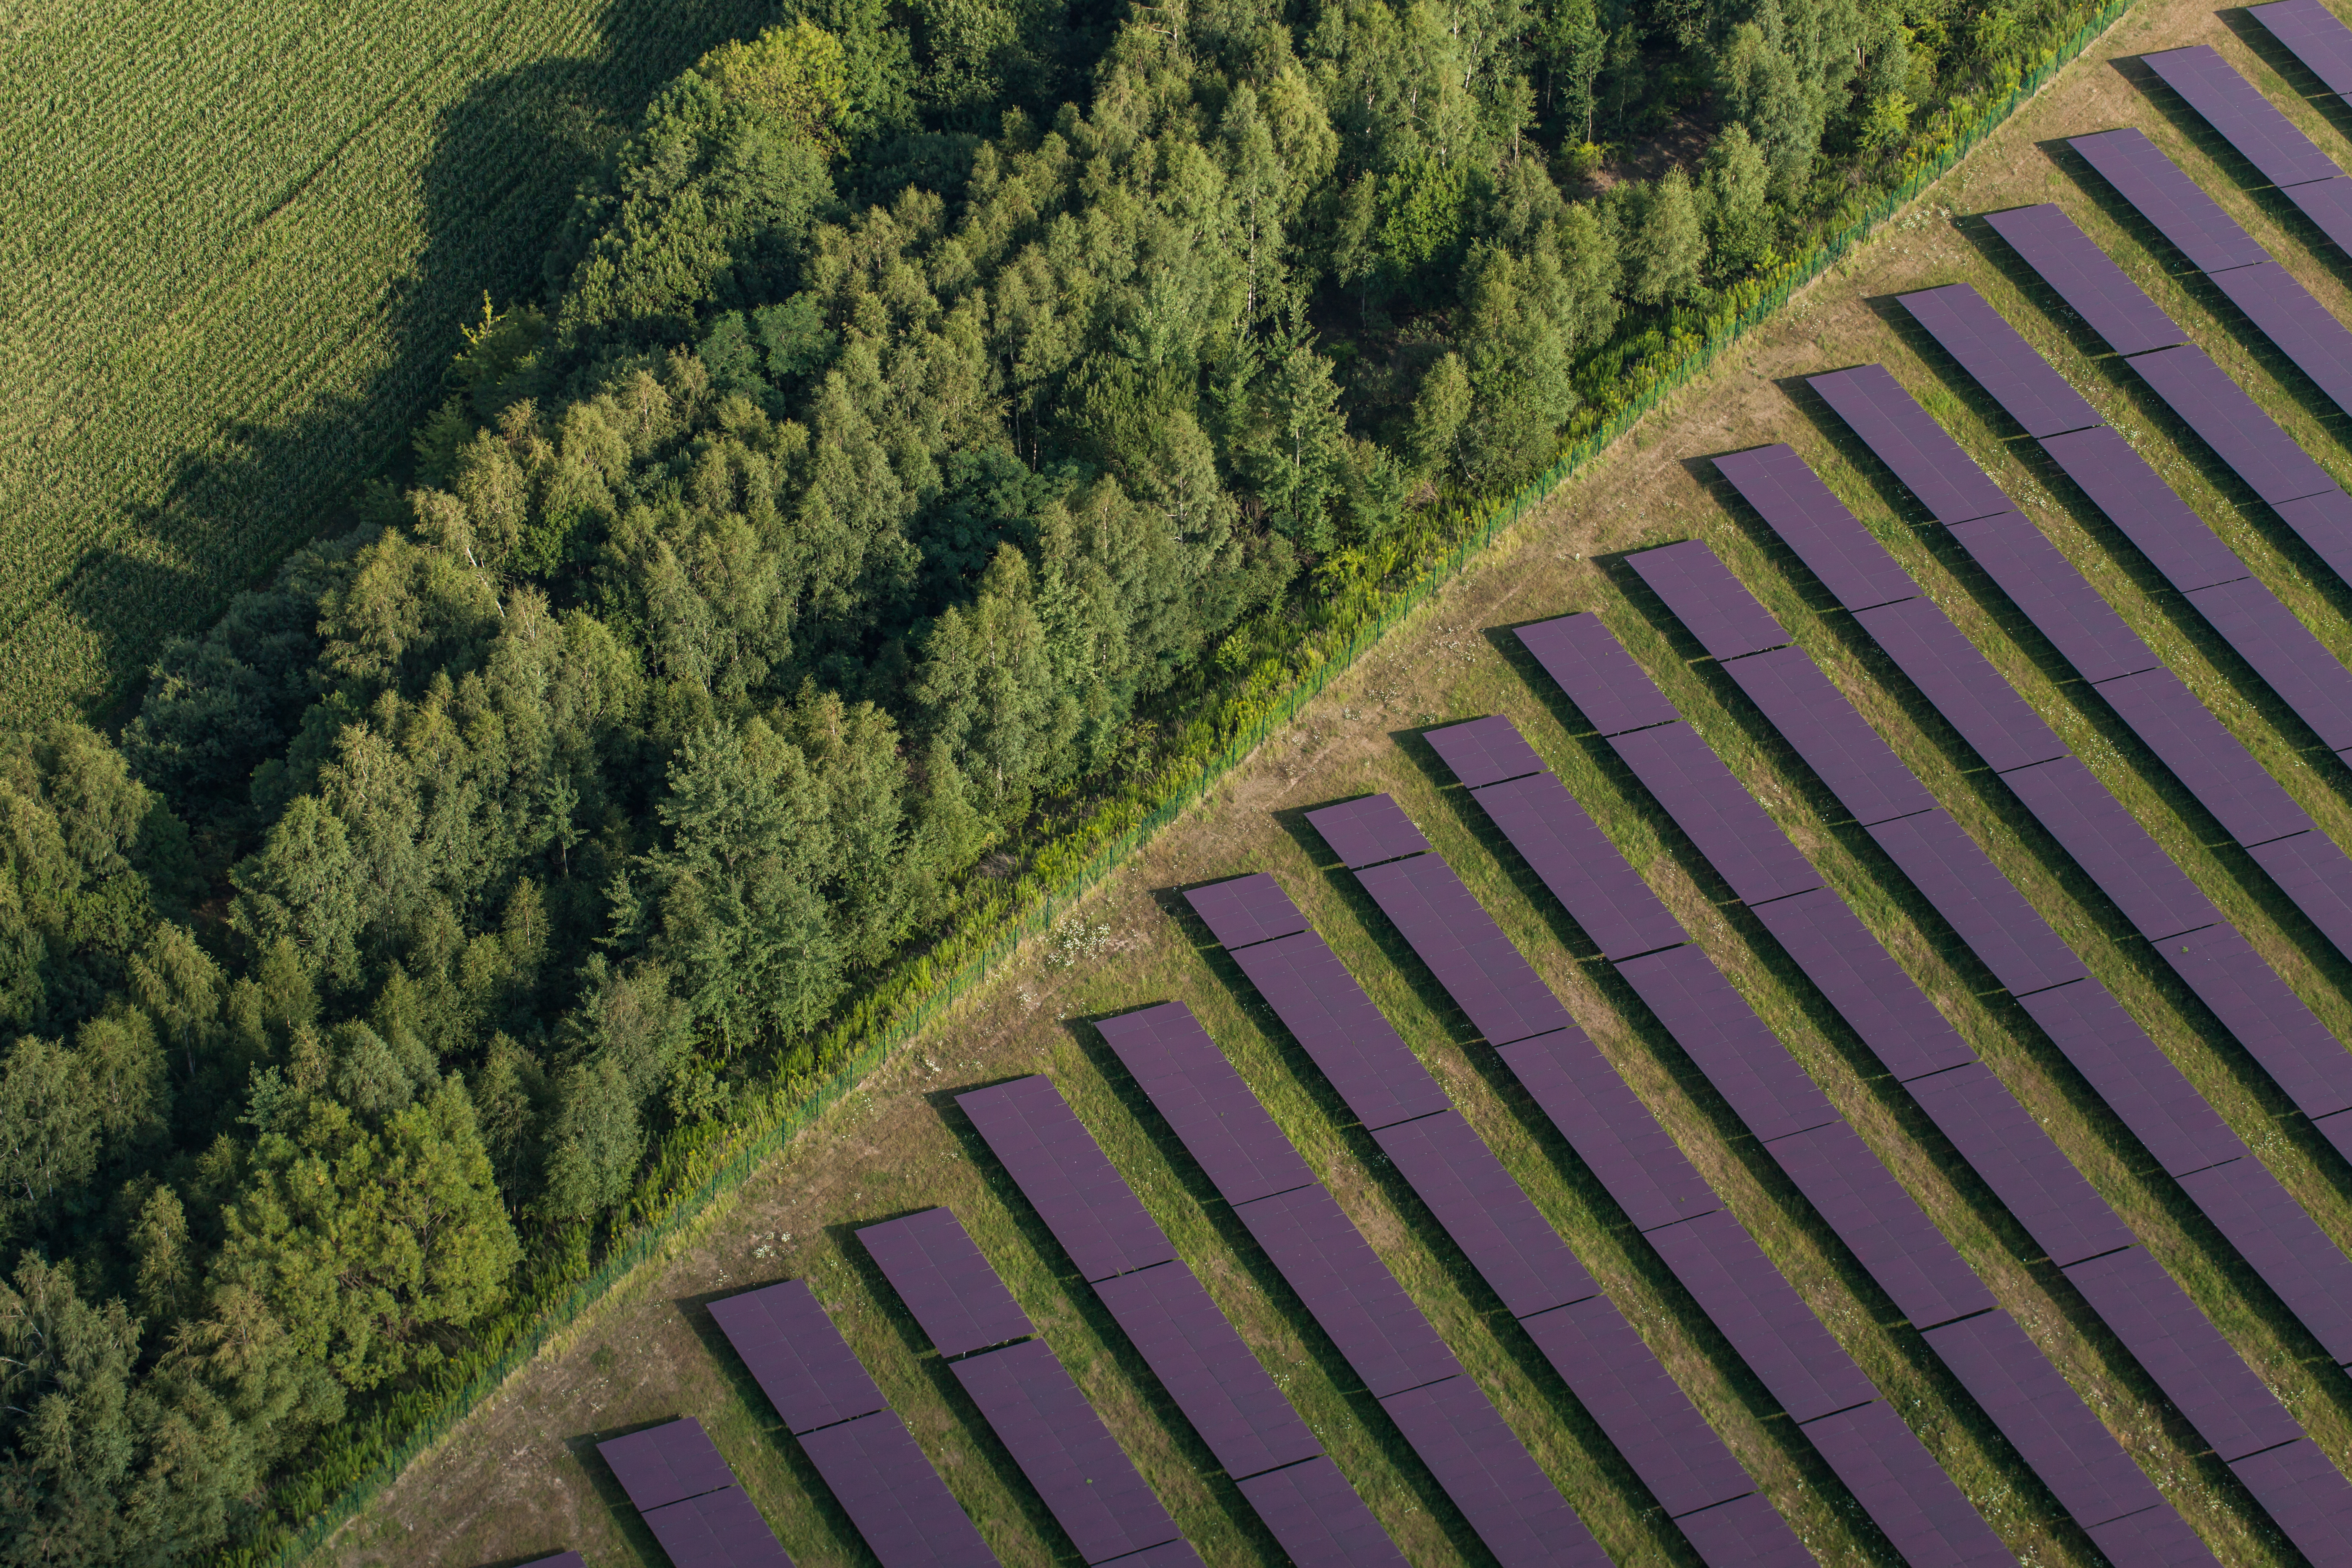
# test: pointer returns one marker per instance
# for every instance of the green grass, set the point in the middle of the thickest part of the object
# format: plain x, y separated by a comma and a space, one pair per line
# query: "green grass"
239, 241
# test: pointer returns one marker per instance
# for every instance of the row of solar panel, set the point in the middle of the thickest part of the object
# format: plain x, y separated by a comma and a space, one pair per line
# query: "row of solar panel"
2266, 138
687, 1496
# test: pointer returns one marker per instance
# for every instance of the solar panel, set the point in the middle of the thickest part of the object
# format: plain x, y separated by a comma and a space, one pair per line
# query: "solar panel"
1746, 1532
2313, 873
1766, 1322
1859, 978
2304, 329
1060, 1169
1708, 1018
1997, 925
1730, 829
664, 1464
2236, 108
2210, 402
1212, 1114
2305, 1495
1907, 438
1245, 910
2284, 652
1315, 1518
2283, 1244
2136, 1078
1177, 1553
1795, 504
1367, 830
2079, 272
2058, 601
906, 1514
1348, 1289
2012, 1154
1596, 673
2329, 205
1514, 1249
2155, 1536
2324, 522
1340, 1029
2028, 390
2144, 509
1882, 1225
717, 1529
2311, 33
1835, 742
2111, 846
1938, 658
944, 1281
1903, 1490
1484, 751
1463, 947
796, 1355
2178, 207
1576, 861
2212, 763
1703, 595
1088, 1485
1502, 1492
2266, 1016
1609, 1129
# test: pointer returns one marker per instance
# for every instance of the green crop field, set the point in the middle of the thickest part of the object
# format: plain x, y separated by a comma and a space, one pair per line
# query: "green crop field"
239, 241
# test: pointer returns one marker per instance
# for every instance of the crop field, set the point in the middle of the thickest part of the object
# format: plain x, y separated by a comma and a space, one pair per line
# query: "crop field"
239, 241
521, 1478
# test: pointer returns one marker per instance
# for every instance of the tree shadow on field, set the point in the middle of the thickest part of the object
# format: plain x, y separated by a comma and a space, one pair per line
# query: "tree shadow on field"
506, 159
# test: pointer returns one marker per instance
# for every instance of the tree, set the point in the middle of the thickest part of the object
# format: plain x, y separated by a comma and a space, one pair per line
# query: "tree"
797, 77
1668, 249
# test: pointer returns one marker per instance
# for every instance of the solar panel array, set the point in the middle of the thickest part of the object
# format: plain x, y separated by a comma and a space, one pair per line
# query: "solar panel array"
2086, 1468
2312, 34
1600, 1355
1972, 332
2094, 287
2266, 138
865, 1454
1022, 1391
2235, 1191
1220, 1387
1453, 1426
1734, 1283
687, 1496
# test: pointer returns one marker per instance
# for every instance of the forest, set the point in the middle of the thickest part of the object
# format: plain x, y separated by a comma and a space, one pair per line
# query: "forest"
928, 403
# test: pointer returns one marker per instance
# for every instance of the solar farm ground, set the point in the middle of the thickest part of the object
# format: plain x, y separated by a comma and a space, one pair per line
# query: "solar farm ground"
519, 1478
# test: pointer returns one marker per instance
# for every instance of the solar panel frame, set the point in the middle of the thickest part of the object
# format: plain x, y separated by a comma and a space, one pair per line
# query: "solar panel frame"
2112, 847
2284, 652
1861, 981
1358, 1303
2329, 205
2324, 522
1881, 1224
945, 1283
2131, 1073
2160, 191
897, 1503
1367, 830
2272, 464
2210, 762
2055, 597
1713, 1024
2271, 1232
796, 1354
2314, 35
2157, 1537
1502, 1494
2305, 1495
1961, 685
2277, 1028
1834, 740
1245, 910
2029, 392
1907, 438
1350, 1042
1609, 1128
1486, 1212
2236, 109
2013, 1154
720, 1529
2303, 329
664, 1464
1715, 811
2313, 872
1592, 667
1059, 1168
1803, 514
1485, 751
1711, 603
1204, 1102
1316, 1518
2080, 274
1577, 863
1453, 936
2144, 509
1743, 1531
1906, 1494
1953, 874
1761, 1315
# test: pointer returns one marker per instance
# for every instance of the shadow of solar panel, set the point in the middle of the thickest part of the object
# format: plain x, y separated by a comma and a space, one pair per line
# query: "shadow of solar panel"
1204, 1100
1713, 1024
1063, 1448
1513, 1247
2236, 108
1800, 509
1484, 751
2284, 652
2079, 272
1459, 942
1746, 1532
2304, 329
2311, 870
1340, 1029
1703, 595
1501, 1492
717, 1529
2211, 764
2198, 1371
1609, 1129
665, 1464
944, 1281
1734, 834
1959, 684
2012, 1154
1861, 980
1835, 742
1885, 1227
1583, 869
2028, 390
2044, 584
1766, 1322
2178, 207
1368, 830
796, 1355
2305, 1495
2144, 509
1245, 910
1348, 1289
1997, 925
2329, 205
1596, 673
2232, 424
2155, 1536
2112, 847
1907, 438
1898, 1484
906, 1514
2295, 1257
1062, 1172
2266, 1016
2312, 34
1316, 1518
2135, 1078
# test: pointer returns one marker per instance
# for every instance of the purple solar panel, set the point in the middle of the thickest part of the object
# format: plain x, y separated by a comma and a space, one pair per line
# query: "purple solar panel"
2266, 1016
2284, 652
664, 1464
1501, 1492
2057, 599
796, 1355
2135, 1078
1703, 595
2144, 509
1508, 1242
2157, 1537
1713, 1023
1907, 438
1576, 861
1882, 1224
1485, 751
2312, 34
945, 1283
1337, 1026
1596, 672
717, 1529
1060, 1169
2246, 119
1953, 874
1245, 910
2094, 287
2205, 397
1212, 1114
2112, 847
1734, 834
1961, 684
2313, 872
2324, 522
1904, 1492
2305, 1495
2012, 1154
2283, 1244
1177, 1553
1365, 831
1869, 990
1452, 935
1795, 504
2178, 207
2222, 1398
1835, 742
2329, 205
1609, 1129
2304, 329
1763, 1316
1316, 1517
1062, 1445
1348, 1289
2212, 763
890, 1492
1745, 1530
2003, 363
